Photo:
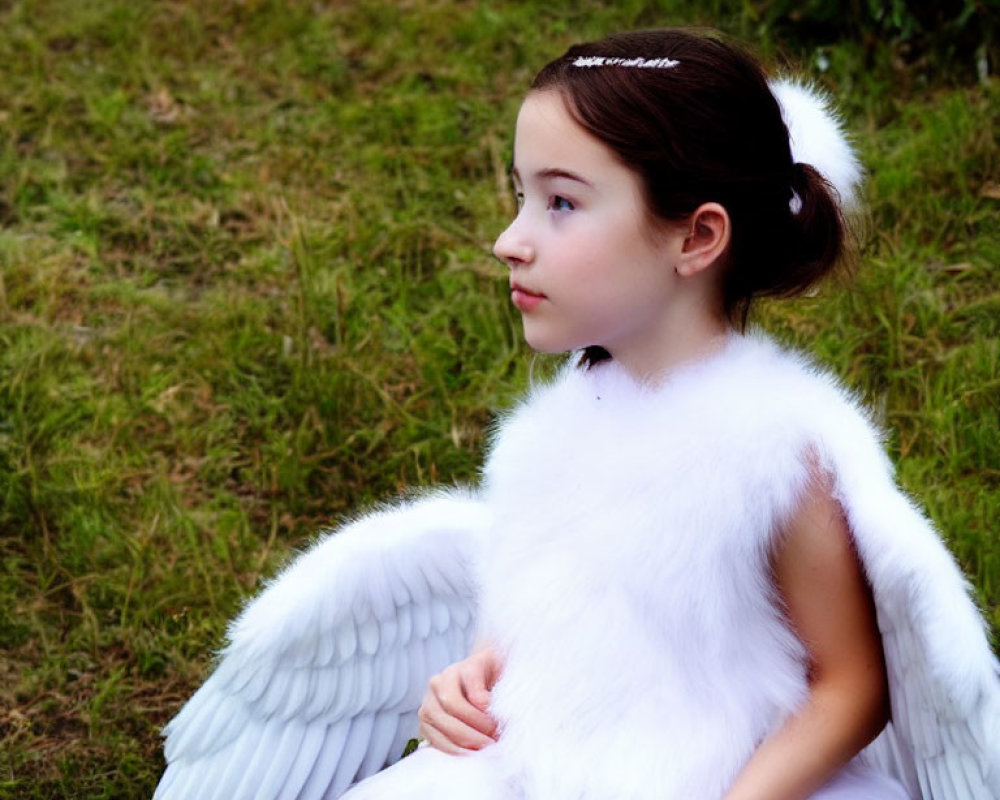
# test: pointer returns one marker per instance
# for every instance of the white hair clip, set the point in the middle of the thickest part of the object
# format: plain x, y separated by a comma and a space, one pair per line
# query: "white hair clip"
818, 138
612, 61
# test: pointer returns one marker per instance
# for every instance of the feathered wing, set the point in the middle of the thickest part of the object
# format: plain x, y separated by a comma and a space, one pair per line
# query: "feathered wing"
324, 671
943, 741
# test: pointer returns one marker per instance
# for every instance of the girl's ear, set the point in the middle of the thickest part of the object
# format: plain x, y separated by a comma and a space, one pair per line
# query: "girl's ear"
706, 240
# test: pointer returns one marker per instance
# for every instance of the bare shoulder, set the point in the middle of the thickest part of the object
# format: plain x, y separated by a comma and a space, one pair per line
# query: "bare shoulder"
815, 545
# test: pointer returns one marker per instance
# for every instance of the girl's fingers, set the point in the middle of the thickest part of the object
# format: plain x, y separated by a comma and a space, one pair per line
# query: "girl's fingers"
446, 731
454, 704
477, 700
438, 740
459, 707
450, 695
453, 716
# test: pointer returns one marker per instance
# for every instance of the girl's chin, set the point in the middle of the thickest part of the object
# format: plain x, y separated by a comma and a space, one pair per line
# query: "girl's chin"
543, 333
548, 345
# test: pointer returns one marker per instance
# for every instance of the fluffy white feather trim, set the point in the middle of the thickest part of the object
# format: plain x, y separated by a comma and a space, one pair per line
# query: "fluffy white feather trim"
818, 138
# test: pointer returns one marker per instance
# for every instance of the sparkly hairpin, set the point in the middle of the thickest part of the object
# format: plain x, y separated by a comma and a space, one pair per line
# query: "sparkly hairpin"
640, 63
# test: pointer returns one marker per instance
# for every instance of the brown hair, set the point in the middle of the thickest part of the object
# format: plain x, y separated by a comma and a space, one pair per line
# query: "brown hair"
708, 129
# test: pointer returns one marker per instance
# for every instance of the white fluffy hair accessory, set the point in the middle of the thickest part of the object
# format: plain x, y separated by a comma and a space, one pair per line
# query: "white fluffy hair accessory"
818, 138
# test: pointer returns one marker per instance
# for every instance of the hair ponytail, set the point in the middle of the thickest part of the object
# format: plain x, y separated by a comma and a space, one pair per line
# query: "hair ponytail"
818, 227
806, 243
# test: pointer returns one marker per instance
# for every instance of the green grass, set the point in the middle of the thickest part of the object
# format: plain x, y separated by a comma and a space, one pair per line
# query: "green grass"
245, 287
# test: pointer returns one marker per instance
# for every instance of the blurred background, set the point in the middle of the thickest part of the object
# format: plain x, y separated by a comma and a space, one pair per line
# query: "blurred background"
246, 287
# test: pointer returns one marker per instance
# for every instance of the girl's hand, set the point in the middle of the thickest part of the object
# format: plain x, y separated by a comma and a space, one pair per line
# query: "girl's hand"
453, 716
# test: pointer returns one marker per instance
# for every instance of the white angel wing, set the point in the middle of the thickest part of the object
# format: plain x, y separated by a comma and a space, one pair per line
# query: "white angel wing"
324, 672
943, 741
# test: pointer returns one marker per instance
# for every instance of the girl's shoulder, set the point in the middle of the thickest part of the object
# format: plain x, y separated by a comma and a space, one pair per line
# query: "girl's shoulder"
772, 392
758, 368
755, 381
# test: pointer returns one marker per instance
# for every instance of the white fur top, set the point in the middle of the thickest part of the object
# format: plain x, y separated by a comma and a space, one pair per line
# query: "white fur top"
628, 582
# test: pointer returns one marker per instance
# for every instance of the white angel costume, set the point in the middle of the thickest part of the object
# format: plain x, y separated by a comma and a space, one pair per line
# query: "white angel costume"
618, 555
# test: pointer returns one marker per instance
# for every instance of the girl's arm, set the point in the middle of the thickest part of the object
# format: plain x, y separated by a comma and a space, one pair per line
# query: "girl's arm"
829, 605
454, 715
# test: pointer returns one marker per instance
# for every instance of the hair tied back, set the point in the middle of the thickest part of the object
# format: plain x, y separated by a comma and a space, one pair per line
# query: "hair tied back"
817, 137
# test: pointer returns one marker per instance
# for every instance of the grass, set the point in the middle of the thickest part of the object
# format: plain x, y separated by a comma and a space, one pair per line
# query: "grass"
245, 287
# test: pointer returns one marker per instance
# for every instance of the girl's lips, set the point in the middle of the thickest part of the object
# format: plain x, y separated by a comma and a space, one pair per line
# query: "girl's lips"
523, 299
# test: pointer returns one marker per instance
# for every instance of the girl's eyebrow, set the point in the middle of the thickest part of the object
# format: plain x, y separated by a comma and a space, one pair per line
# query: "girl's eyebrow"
553, 172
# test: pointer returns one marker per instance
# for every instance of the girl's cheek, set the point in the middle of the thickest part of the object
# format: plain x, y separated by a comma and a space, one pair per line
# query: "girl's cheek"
565, 220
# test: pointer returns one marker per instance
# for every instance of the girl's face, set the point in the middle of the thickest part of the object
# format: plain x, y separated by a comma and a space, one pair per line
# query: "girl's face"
585, 266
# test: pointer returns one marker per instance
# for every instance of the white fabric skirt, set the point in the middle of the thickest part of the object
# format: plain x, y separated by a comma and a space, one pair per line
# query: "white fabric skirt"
429, 774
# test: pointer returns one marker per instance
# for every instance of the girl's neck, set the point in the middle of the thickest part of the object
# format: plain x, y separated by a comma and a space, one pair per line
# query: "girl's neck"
688, 338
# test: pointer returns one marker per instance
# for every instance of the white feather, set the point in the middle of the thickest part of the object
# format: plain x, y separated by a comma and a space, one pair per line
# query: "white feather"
817, 137
324, 767
378, 750
324, 666
302, 762
353, 753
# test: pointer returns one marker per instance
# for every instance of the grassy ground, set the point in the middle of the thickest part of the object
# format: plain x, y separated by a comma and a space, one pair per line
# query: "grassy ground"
245, 286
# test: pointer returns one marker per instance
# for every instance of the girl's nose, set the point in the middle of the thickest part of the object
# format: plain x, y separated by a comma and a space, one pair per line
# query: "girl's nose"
512, 248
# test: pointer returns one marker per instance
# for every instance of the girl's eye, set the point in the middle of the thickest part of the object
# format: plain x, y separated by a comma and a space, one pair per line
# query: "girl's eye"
557, 203
519, 197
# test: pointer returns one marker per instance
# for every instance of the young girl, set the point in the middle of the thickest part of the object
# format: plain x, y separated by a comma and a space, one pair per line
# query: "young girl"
693, 575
